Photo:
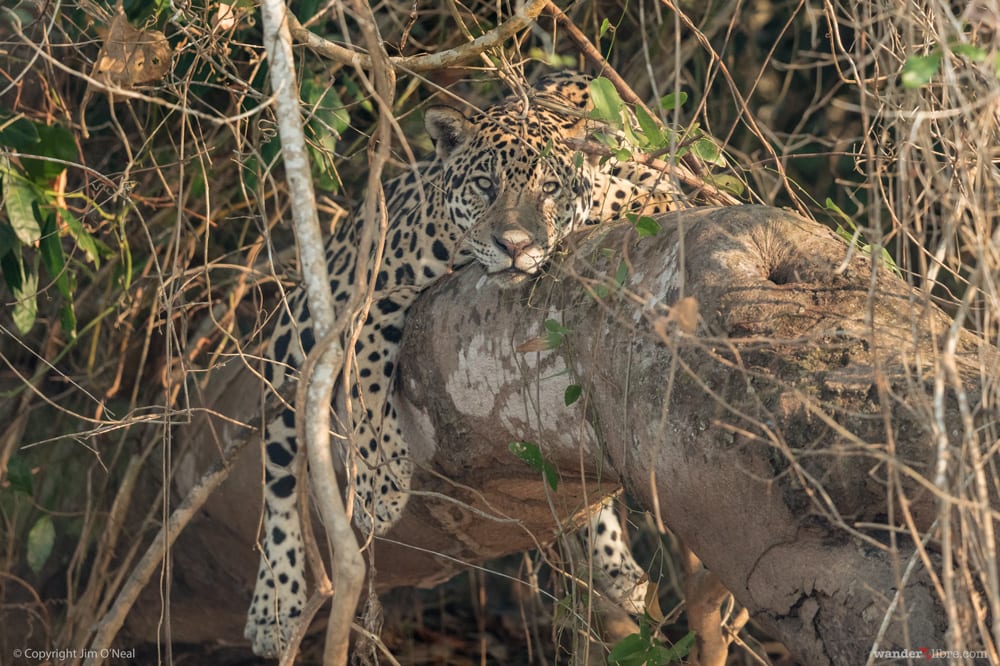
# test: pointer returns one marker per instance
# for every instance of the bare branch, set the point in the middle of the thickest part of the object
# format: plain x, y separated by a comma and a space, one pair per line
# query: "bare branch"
430, 61
316, 387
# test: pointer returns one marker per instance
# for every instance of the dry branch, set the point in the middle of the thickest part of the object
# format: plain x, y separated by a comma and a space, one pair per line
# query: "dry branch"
430, 61
316, 388
139, 578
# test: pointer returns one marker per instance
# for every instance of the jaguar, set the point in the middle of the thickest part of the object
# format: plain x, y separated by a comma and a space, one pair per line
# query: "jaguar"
503, 188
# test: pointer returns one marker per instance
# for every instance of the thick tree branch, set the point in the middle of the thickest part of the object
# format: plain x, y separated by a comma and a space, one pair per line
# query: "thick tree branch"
748, 411
761, 431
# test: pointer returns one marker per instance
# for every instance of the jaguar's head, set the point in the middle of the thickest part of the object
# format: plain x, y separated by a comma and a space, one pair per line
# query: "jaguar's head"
512, 183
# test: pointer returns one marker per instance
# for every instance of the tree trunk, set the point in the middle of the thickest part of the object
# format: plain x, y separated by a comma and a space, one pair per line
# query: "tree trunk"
737, 385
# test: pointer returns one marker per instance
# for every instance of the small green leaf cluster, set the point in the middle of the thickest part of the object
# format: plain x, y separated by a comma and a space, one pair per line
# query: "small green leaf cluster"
34, 219
919, 70
42, 535
644, 649
853, 236
528, 452
602, 290
326, 120
647, 134
555, 334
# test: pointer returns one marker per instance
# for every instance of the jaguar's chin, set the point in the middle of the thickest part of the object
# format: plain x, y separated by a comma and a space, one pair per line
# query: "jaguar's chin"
510, 278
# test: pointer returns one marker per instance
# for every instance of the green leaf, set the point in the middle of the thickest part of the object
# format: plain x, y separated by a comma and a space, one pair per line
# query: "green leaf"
608, 103
19, 474
26, 302
644, 225
553, 60
67, 318
623, 155
33, 138
629, 651
53, 256
529, 453
650, 127
55, 263
556, 333
564, 608
707, 150
728, 183
10, 264
681, 648
41, 538
572, 394
328, 118
673, 101
621, 274
835, 209
21, 134
970, 51
307, 9
633, 139
325, 106
605, 26
920, 70
8, 241
53, 141
91, 247
643, 649
21, 200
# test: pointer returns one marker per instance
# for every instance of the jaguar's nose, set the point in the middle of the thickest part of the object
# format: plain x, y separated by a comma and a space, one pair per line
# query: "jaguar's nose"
513, 241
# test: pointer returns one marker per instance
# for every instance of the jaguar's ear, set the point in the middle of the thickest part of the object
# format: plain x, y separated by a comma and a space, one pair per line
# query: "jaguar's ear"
448, 128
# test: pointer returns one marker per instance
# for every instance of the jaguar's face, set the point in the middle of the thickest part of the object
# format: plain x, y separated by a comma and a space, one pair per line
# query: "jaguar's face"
513, 186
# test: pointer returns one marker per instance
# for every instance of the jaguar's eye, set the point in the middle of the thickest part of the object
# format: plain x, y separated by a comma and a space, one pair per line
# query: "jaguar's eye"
551, 187
483, 184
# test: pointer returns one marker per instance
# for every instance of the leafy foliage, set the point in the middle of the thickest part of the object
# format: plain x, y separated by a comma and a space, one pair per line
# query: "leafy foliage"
919, 70
644, 649
32, 231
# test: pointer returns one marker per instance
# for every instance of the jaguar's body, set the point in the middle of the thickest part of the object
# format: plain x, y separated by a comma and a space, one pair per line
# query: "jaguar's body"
503, 189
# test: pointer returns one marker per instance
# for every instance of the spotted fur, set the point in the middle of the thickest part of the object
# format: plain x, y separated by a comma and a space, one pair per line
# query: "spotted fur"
616, 572
503, 189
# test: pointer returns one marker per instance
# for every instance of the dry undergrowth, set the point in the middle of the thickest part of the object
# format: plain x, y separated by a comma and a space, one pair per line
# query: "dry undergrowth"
155, 246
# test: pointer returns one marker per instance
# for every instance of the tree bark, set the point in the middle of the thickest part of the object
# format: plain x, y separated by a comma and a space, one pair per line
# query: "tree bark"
760, 430
736, 384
